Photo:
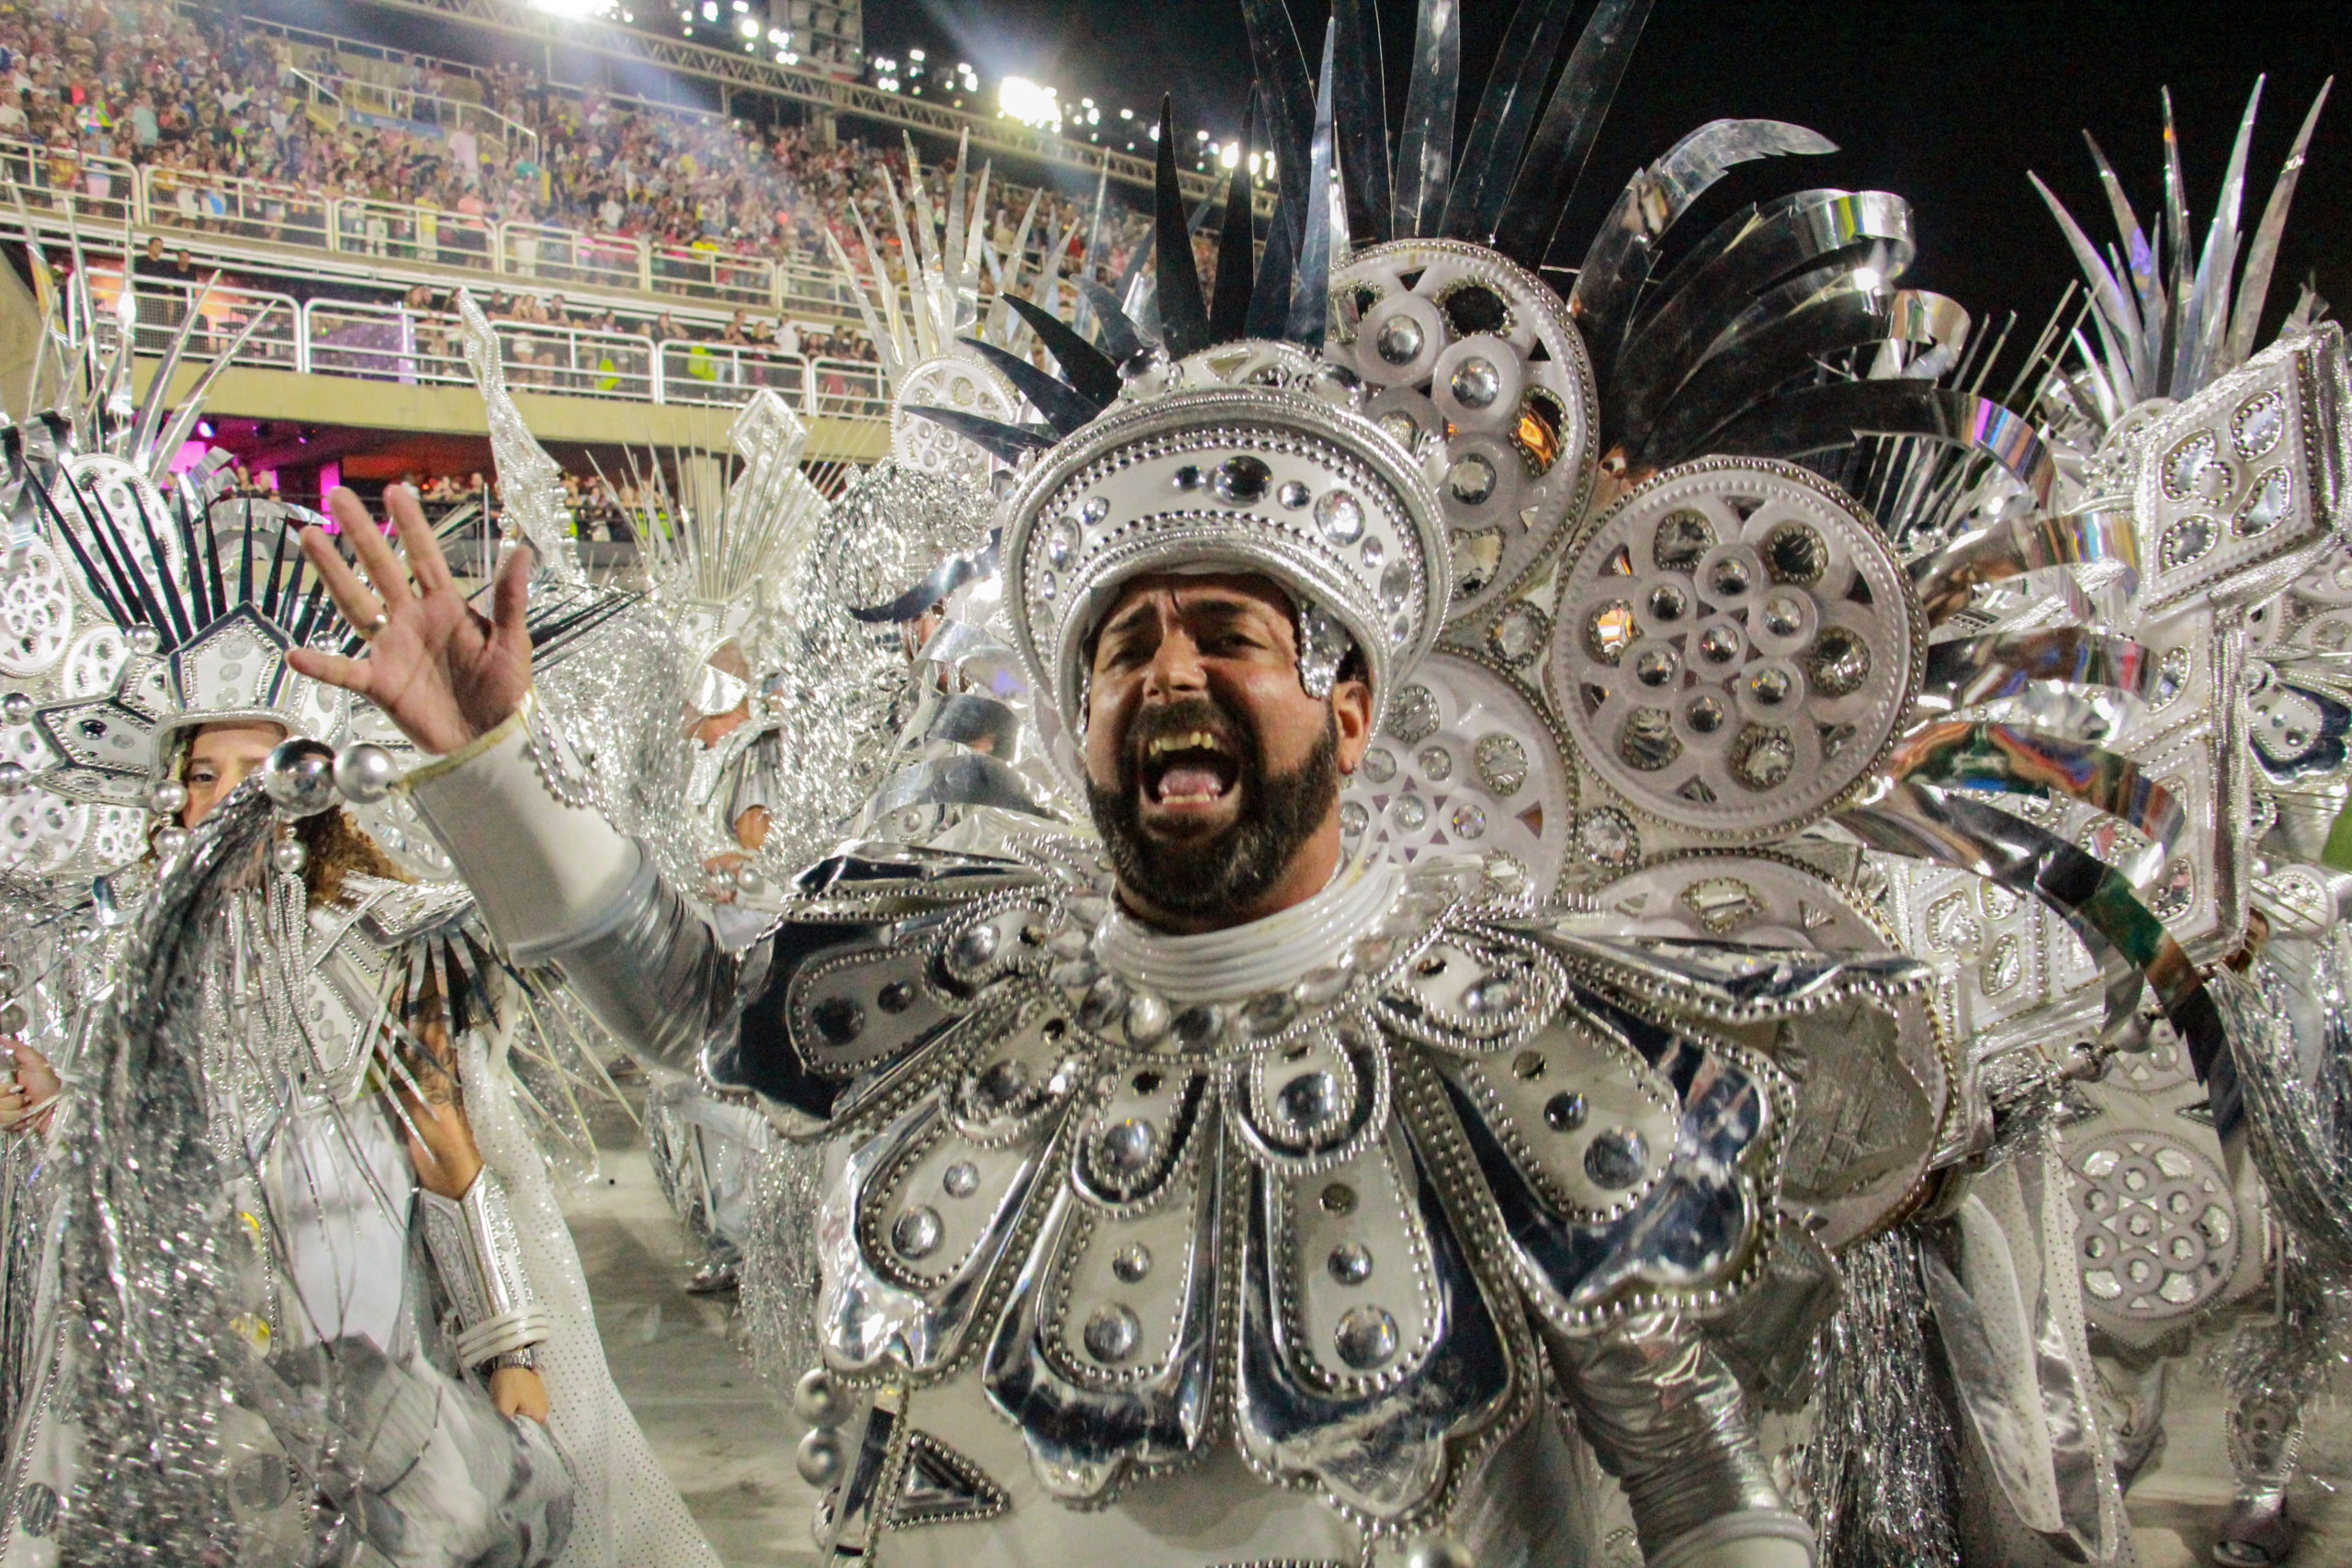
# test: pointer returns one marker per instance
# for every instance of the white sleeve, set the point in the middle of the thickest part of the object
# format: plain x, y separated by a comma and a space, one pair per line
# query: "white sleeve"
516, 811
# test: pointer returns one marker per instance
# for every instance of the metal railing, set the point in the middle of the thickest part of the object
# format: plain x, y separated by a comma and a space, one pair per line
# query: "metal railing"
546, 254
391, 342
62, 189
161, 307
227, 204
359, 95
105, 195
395, 230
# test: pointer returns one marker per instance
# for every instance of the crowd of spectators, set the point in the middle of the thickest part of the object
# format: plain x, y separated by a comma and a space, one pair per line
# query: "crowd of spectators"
202, 101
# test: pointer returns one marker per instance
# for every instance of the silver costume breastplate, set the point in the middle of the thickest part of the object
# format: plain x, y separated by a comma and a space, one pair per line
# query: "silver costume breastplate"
1313, 1188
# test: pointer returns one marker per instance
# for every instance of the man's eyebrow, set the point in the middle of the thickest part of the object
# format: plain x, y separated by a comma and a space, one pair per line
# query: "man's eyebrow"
1225, 611
1126, 620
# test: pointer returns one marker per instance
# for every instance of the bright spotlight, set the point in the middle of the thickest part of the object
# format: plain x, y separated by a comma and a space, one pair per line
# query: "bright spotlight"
1019, 99
574, 10
1229, 155
750, 27
1869, 279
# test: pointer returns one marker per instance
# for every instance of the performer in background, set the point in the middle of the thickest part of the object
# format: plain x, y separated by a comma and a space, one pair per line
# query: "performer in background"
302, 1290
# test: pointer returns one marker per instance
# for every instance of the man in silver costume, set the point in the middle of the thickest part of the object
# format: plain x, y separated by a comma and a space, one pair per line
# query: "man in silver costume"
1224, 703
1282, 1187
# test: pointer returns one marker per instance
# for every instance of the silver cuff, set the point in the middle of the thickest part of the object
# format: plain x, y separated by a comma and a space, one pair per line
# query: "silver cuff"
480, 1258
1666, 1417
650, 971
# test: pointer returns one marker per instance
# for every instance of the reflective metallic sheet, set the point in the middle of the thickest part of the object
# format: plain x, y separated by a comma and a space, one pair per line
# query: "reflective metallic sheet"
1820, 419
1743, 258
2029, 761
1619, 261
1784, 332
1425, 141
1969, 670
1946, 578
2091, 897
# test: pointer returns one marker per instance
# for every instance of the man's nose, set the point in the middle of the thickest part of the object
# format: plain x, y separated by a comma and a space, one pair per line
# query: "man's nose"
1176, 669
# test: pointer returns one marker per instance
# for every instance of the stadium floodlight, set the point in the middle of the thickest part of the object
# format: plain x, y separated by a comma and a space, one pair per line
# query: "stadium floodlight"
750, 27
574, 10
1019, 99
1229, 155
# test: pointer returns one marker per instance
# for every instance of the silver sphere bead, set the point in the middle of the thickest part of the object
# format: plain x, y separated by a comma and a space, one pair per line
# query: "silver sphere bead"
13, 1019
13, 780
1148, 373
818, 1457
299, 777
169, 841
11, 977
16, 708
142, 639
365, 772
1440, 1551
168, 797
817, 1398
289, 855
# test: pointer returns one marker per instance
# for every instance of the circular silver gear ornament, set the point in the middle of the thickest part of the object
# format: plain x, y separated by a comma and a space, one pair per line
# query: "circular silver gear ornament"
950, 381
36, 612
1460, 345
2157, 1231
40, 832
1734, 648
1466, 766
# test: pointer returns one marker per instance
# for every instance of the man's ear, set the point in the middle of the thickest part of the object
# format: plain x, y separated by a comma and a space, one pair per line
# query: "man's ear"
1352, 717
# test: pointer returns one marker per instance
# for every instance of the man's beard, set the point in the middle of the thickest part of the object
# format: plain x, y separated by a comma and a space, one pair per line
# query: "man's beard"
1233, 869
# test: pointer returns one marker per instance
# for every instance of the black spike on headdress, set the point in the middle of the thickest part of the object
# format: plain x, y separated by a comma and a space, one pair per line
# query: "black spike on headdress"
1094, 373
1425, 140
1006, 443
1309, 319
1270, 299
1116, 333
1065, 407
1237, 251
277, 585
1360, 110
1285, 91
1490, 157
1556, 154
1183, 317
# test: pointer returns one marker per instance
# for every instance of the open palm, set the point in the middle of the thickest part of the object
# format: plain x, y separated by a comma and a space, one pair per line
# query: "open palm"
435, 665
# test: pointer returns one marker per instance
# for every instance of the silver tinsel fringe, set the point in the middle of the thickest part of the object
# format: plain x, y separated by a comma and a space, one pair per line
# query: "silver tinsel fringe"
150, 1252
777, 1307
1880, 1469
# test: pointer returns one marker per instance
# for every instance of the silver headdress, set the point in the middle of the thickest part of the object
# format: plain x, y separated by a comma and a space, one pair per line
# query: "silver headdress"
150, 602
1212, 449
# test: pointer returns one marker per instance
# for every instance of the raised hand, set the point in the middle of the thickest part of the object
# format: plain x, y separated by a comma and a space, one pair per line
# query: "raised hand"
439, 671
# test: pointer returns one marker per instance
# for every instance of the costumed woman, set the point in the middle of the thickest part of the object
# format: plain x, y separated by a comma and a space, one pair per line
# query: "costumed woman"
307, 1294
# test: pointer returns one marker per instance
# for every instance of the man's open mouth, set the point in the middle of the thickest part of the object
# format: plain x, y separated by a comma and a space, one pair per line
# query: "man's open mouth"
1189, 767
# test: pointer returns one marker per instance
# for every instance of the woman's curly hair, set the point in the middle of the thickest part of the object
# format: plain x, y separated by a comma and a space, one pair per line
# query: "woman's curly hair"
338, 847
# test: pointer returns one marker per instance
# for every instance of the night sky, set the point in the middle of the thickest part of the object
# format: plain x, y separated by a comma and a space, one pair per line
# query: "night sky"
1948, 105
